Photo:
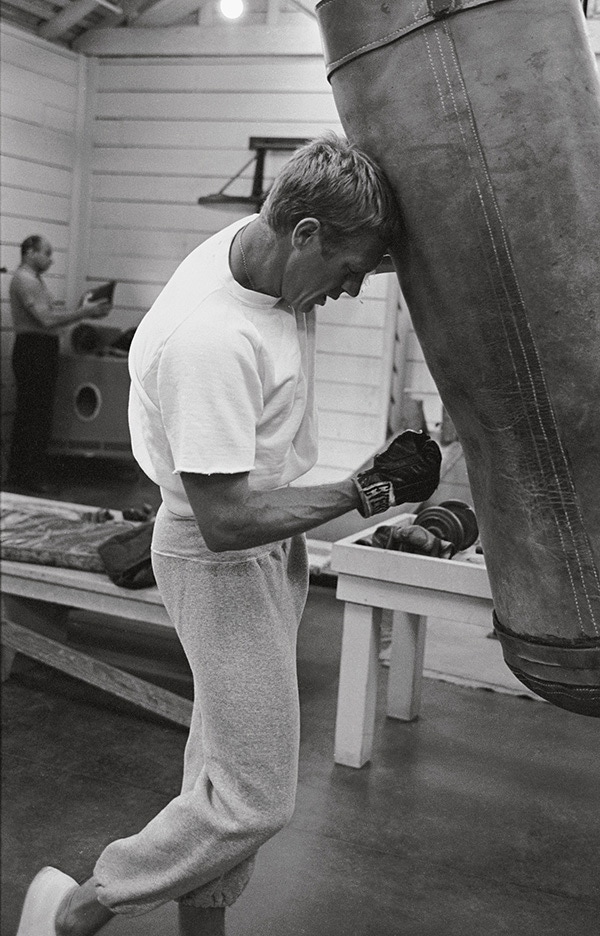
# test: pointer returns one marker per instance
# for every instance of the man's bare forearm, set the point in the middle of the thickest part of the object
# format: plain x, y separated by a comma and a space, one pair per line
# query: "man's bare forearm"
232, 516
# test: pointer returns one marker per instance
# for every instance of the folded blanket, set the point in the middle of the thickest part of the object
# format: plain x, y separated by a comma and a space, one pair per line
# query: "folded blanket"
57, 536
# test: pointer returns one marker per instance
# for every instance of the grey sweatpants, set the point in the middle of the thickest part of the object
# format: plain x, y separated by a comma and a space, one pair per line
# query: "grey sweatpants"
237, 615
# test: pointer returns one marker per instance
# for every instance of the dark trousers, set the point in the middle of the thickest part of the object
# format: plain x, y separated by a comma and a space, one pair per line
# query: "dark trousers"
35, 366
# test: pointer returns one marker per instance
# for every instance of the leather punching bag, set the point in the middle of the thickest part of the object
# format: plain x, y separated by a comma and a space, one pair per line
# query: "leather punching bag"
485, 117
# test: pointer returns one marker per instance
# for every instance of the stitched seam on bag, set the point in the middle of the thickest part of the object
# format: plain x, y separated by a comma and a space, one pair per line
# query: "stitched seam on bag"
570, 483
535, 391
498, 264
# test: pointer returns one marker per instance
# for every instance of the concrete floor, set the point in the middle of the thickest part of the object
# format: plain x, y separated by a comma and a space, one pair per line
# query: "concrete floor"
483, 817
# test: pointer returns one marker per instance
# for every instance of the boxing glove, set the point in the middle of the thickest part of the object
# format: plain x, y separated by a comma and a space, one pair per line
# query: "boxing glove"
406, 472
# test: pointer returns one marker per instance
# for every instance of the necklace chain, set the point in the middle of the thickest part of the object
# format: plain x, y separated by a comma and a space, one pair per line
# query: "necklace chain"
248, 277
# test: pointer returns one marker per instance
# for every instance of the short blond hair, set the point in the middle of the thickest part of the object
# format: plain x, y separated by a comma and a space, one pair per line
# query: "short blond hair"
334, 181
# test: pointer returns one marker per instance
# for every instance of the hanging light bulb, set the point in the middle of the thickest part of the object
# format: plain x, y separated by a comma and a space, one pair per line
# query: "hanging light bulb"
231, 9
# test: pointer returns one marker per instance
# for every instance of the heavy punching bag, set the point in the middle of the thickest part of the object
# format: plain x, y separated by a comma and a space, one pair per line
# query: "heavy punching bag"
485, 117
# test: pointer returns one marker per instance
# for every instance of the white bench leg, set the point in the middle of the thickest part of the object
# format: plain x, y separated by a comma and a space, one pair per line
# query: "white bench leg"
406, 666
357, 694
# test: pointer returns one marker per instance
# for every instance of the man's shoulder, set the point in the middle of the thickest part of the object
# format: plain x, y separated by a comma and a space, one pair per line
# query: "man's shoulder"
25, 280
212, 322
217, 317
24, 274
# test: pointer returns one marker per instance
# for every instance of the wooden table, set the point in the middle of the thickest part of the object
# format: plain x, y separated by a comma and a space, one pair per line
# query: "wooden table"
414, 588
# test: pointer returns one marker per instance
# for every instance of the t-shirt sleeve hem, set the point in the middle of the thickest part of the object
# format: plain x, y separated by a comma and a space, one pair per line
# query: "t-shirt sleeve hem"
214, 468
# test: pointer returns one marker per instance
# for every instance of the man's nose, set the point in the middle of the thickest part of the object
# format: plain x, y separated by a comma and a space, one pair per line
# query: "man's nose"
353, 286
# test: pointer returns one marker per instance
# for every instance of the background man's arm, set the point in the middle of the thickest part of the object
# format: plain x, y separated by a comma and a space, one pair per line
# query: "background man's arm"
38, 303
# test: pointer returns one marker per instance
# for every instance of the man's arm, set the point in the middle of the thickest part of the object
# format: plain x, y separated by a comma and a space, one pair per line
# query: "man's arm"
233, 516
36, 299
86, 309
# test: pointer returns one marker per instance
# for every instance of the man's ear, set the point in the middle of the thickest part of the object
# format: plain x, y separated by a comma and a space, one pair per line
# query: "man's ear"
306, 230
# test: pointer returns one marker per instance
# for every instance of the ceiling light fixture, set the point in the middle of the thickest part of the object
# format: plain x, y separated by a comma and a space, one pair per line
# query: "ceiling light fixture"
231, 9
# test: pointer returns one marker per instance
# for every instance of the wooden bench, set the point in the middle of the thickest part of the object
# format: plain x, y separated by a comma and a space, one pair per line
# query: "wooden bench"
413, 588
36, 601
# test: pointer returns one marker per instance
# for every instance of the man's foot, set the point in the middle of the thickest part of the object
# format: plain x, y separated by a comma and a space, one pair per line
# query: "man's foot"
80, 913
46, 893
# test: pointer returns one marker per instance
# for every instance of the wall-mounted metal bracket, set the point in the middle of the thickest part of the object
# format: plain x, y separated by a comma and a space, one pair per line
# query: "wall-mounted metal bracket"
261, 146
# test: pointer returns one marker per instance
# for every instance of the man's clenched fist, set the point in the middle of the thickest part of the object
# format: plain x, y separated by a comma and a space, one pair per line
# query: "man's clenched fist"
408, 471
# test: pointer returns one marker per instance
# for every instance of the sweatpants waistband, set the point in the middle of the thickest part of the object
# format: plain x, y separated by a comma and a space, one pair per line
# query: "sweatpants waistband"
181, 537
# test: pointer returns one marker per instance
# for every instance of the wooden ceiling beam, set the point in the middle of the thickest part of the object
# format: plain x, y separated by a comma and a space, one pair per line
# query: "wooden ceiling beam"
165, 12
70, 15
35, 7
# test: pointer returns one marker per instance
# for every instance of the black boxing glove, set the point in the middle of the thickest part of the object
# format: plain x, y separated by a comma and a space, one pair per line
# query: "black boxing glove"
408, 471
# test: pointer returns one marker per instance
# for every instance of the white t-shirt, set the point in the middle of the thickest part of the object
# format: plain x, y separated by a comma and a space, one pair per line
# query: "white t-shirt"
222, 380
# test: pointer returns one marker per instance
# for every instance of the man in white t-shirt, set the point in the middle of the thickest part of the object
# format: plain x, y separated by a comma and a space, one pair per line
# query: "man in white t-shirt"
222, 417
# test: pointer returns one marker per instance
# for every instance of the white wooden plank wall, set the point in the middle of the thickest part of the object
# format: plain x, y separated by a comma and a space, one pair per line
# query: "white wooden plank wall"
39, 98
170, 130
